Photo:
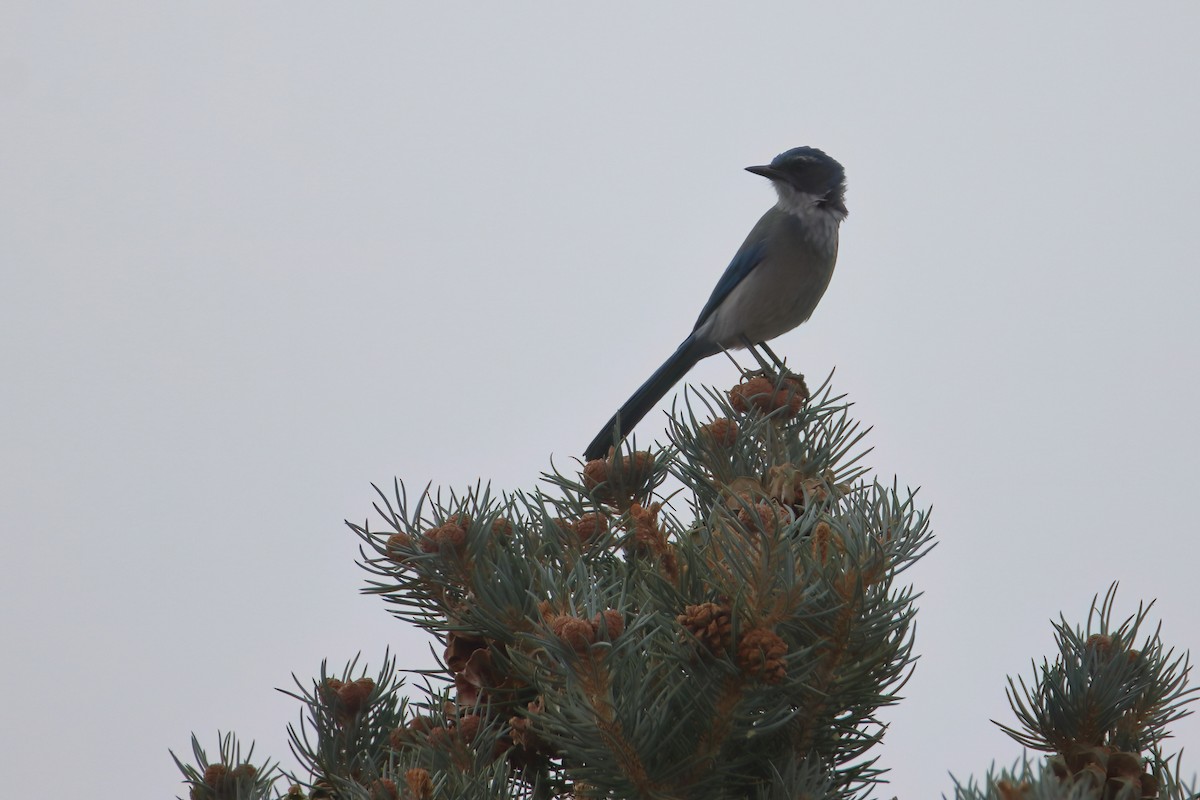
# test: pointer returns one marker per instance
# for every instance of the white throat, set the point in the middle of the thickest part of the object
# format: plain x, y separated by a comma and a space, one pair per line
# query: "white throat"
820, 219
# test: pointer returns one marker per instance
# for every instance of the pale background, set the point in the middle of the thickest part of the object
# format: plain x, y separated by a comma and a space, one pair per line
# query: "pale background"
255, 256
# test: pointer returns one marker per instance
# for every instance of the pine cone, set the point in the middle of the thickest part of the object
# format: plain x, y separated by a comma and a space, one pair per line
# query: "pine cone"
459, 649
1121, 774
521, 727
649, 540
762, 517
576, 632
1013, 791
761, 653
721, 432
760, 393
589, 526
468, 727
712, 624
608, 624
347, 700
398, 547
420, 785
449, 537
620, 481
383, 789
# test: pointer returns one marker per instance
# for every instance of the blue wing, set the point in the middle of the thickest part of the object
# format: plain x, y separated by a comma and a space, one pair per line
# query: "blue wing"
748, 256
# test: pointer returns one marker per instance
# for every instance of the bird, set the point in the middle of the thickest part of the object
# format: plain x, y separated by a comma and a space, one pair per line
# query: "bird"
773, 283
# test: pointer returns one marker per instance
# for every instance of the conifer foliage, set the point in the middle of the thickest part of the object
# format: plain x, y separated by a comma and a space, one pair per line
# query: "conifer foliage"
719, 618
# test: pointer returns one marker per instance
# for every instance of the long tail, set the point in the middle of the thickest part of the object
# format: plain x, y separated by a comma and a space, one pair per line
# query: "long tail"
648, 394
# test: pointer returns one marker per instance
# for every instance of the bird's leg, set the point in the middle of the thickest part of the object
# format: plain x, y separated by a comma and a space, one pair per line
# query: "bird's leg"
778, 361
776, 371
733, 360
762, 362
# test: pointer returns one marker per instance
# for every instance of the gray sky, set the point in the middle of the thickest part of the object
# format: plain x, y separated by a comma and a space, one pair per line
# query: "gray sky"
254, 257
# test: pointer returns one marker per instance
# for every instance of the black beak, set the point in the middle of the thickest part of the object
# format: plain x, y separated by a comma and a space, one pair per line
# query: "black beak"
767, 171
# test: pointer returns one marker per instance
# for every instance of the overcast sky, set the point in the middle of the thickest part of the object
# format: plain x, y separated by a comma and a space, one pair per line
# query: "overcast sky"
256, 256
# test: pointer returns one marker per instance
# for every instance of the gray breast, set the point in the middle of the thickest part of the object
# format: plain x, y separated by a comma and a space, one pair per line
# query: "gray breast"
784, 289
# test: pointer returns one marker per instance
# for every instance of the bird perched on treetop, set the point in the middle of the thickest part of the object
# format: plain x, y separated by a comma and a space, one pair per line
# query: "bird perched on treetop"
773, 283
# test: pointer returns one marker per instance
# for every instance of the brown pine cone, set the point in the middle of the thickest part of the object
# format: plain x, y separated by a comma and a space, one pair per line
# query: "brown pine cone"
712, 624
761, 653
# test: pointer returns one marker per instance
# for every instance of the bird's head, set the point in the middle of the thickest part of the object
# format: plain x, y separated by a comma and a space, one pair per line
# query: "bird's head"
807, 180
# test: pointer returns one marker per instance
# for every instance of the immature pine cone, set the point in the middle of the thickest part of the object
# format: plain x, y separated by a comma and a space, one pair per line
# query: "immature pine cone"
721, 432
419, 783
711, 624
620, 481
448, 537
346, 700
760, 393
576, 632
761, 653
383, 789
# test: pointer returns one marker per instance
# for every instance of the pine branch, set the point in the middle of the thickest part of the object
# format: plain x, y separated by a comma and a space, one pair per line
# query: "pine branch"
607, 635
582, 615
